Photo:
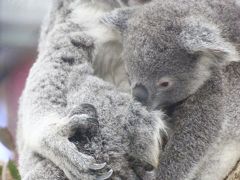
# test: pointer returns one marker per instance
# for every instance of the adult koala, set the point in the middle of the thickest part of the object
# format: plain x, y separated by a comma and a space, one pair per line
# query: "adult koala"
71, 37
183, 56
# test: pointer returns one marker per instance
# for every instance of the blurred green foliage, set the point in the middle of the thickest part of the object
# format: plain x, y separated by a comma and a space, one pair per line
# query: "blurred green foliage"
12, 173
1, 171
13, 170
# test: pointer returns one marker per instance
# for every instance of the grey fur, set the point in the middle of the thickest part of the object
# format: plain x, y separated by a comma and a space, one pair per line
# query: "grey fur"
44, 126
183, 52
126, 130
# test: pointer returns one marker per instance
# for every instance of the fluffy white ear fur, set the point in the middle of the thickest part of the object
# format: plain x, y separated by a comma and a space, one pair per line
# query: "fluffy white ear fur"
117, 19
201, 37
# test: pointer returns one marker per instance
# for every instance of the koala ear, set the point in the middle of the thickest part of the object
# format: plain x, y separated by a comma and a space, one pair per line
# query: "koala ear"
118, 18
201, 37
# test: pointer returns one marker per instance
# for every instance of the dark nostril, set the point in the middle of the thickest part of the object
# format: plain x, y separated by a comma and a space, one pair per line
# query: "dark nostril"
140, 93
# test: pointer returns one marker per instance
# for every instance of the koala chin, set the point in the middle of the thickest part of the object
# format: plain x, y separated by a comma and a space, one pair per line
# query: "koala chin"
184, 54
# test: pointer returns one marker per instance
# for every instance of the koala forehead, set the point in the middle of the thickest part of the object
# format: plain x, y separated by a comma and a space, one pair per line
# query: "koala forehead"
151, 46
150, 52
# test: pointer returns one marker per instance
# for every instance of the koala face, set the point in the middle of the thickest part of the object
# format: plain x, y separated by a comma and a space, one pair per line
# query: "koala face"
160, 74
168, 60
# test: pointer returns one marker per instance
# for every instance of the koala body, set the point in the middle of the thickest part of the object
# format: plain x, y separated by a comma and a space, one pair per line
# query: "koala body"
182, 56
125, 131
45, 129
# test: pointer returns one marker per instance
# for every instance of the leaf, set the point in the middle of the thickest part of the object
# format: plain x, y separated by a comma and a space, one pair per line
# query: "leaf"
6, 138
1, 168
13, 170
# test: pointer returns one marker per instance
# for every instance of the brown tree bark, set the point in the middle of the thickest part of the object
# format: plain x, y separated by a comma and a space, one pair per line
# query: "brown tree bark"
235, 173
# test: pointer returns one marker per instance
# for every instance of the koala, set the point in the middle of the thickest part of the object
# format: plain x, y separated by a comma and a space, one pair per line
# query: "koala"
46, 133
119, 131
183, 57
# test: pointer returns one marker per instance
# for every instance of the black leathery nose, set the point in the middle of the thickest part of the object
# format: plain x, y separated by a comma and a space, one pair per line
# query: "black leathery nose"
140, 93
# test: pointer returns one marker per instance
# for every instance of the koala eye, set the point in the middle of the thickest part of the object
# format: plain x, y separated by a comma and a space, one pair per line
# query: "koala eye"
164, 83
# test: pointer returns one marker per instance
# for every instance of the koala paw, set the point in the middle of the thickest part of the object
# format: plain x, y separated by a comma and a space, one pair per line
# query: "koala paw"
88, 128
65, 154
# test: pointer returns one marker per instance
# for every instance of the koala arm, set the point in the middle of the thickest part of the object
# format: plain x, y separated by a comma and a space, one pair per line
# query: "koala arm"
43, 125
198, 122
44, 128
147, 130
40, 168
142, 128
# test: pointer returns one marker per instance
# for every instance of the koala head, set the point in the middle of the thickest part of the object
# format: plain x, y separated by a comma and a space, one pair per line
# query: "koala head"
168, 59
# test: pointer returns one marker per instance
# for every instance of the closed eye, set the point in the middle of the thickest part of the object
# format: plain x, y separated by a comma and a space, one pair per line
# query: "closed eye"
164, 84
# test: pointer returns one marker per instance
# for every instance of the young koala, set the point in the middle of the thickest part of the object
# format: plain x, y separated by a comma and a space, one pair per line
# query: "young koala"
118, 130
73, 36
183, 56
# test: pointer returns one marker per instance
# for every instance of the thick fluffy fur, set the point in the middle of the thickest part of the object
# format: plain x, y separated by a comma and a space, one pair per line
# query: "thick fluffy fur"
125, 129
69, 40
183, 56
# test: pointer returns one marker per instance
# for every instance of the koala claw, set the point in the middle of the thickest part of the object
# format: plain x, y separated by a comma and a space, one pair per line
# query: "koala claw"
93, 121
85, 123
105, 176
97, 166
84, 109
147, 166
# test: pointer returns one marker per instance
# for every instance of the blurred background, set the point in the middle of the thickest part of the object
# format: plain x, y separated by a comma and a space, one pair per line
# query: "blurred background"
20, 22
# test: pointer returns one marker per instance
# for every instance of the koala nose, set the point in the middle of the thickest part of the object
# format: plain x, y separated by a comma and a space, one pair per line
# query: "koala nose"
140, 93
